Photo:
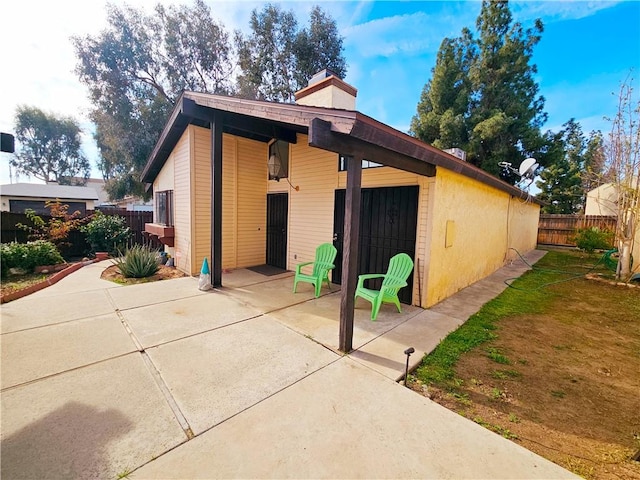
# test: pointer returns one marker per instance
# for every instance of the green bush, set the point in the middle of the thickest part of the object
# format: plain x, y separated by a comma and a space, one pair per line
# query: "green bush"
29, 255
107, 233
137, 262
593, 238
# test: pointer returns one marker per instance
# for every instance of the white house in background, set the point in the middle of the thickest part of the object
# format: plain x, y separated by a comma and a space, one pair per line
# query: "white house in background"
17, 197
602, 201
98, 185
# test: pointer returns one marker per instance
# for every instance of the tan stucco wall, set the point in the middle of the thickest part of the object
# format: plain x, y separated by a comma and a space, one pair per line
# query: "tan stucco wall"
472, 227
602, 201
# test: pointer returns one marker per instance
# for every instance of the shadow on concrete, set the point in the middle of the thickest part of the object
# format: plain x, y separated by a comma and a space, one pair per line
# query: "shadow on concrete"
69, 442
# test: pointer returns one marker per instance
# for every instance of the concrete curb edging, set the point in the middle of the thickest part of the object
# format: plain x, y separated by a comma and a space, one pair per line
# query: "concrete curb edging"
55, 278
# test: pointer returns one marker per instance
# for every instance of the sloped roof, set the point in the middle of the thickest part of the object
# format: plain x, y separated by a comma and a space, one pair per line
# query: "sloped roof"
337, 130
35, 190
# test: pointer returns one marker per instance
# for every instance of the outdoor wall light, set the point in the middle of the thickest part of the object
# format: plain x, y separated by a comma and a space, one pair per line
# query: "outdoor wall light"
275, 166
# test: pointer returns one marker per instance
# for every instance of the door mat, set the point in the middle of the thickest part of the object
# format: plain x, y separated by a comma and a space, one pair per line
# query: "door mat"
267, 270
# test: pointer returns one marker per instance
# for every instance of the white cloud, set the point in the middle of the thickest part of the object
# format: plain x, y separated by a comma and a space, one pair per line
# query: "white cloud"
551, 11
411, 34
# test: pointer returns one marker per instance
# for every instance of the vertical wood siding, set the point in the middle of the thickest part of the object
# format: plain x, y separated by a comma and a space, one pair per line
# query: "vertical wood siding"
182, 203
202, 191
252, 203
311, 208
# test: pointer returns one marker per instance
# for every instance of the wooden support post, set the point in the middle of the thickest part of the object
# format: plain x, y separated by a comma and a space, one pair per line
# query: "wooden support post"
350, 252
216, 199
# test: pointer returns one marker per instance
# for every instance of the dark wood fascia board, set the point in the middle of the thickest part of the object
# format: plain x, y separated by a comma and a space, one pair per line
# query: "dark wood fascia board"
241, 125
321, 136
369, 130
173, 130
292, 116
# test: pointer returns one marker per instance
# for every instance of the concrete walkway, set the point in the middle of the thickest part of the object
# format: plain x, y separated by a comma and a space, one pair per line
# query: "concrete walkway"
165, 381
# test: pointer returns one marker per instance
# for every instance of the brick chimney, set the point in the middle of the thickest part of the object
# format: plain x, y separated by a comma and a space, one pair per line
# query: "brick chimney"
326, 89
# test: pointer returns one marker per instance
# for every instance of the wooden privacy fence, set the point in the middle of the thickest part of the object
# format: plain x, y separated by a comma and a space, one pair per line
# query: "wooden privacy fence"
9, 232
555, 229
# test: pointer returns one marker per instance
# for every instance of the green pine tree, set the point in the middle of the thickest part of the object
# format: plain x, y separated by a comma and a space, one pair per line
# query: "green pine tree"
482, 96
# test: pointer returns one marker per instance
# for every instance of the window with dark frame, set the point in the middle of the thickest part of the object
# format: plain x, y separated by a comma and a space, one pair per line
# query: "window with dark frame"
342, 163
164, 208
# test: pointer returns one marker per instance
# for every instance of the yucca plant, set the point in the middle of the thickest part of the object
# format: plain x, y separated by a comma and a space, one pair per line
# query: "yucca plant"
137, 262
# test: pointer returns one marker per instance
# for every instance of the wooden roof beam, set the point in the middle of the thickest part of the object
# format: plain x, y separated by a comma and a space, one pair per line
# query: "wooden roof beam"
241, 125
321, 136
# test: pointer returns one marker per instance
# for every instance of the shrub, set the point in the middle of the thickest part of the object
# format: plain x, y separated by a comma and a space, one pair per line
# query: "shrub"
29, 255
106, 233
590, 239
57, 228
137, 262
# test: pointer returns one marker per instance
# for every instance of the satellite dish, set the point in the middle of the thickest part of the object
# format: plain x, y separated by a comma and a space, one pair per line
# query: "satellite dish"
528, 168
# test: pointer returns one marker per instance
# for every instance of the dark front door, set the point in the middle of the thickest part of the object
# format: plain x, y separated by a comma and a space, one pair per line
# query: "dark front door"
388, 225
277, 207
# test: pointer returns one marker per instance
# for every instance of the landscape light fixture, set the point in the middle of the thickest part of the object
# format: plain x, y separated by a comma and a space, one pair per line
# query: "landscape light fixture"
408, 353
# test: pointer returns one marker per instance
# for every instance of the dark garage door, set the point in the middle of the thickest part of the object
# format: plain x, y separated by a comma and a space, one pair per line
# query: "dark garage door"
388, 225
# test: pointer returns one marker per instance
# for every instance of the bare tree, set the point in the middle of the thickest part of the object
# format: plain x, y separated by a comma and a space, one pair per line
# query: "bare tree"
623, 158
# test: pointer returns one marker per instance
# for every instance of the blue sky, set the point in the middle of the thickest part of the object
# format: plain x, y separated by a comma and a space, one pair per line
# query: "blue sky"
587, 49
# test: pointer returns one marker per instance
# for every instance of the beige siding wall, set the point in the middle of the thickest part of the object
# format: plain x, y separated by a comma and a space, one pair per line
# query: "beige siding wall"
472, 227
251, 203
165, 179
201, 181
243, 200
311, 208
180, 159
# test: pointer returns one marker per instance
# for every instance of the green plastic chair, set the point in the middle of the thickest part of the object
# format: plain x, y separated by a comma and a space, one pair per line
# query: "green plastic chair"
400, 267
322, 265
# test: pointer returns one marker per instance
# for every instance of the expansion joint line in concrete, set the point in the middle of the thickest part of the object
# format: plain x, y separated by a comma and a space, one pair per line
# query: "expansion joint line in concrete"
167, 395
155, 373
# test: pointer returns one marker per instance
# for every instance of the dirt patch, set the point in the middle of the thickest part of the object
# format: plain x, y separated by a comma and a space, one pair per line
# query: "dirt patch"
14, 283
112, 274
564, 384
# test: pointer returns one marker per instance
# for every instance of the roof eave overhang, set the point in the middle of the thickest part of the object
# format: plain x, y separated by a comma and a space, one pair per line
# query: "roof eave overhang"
342, 131
369, 130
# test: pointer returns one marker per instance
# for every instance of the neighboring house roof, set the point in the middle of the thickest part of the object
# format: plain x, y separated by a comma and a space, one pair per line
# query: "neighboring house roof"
347, 132
34, 190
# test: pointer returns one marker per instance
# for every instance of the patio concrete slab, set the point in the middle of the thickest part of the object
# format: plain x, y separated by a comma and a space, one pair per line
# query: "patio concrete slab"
167, 321
216, 375
319, 318
242, 278
346, 421
424, 332
273, 294
37, 311
92, 422
39, 352
133, 296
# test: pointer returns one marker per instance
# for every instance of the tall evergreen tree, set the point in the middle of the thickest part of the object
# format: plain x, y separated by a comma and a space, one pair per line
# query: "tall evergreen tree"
593, 174
443, 108
561, 183
497, 113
